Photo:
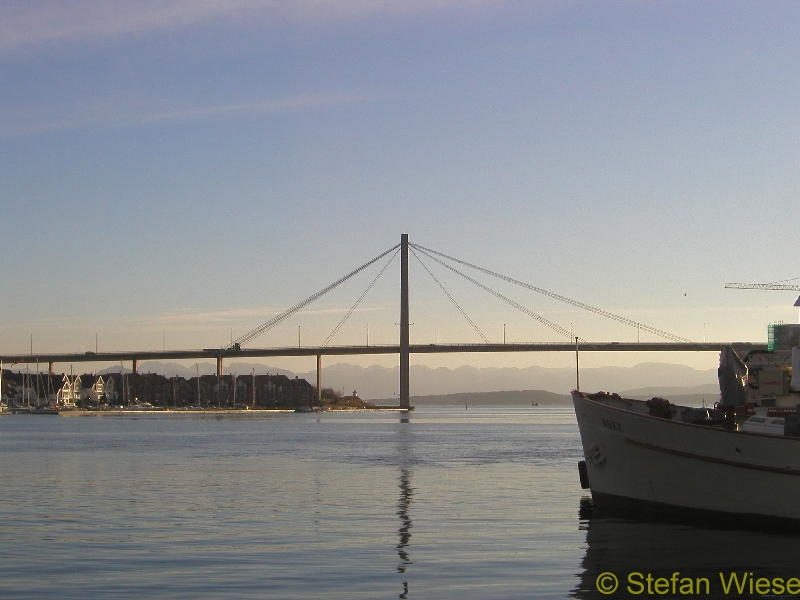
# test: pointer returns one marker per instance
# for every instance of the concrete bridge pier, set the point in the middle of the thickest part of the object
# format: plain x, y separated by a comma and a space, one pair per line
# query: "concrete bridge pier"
134, 387
319, 378
219, 382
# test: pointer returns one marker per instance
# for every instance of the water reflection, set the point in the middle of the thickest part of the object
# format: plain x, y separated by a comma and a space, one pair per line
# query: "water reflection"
404, 533
697, 553
405, 454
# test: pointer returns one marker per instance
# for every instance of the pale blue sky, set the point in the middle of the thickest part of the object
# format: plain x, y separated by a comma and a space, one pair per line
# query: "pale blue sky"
182, 171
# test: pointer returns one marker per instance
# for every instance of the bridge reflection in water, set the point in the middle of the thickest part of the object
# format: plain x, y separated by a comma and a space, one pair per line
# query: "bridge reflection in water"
622, 546
406, 460
406, 492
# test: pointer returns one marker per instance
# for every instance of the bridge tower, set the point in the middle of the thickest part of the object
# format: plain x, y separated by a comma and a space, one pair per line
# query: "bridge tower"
404, 358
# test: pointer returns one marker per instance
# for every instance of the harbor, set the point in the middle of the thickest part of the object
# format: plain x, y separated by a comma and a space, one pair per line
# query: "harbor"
438, 503
451, 300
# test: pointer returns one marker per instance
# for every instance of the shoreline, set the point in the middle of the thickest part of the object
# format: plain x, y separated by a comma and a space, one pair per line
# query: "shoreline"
213, 411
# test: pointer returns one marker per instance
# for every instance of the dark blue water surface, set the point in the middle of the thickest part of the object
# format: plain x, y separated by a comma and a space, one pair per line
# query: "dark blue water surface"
441, 504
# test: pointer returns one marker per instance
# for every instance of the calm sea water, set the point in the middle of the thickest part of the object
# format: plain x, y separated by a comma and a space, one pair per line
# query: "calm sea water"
442, 504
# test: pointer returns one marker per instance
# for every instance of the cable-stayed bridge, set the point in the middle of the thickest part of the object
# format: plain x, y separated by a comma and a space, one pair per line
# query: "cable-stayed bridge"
239, 347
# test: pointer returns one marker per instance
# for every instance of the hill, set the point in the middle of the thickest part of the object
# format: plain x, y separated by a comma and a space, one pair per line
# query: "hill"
678, 395
508, 398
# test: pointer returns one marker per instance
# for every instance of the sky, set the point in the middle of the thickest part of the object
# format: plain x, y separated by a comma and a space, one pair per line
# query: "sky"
175, 173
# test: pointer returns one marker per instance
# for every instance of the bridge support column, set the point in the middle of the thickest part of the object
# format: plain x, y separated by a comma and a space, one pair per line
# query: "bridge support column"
404, 341
219, 382
319, 379
134, 387
50, 368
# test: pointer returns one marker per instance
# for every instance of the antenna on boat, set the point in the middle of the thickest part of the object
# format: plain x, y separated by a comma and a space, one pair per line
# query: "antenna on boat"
577, 365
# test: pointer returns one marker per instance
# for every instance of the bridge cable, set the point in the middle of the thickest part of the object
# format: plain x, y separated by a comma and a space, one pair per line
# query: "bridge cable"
785, 280
352, 308
593, 309
250, 336
519, 307
474, 326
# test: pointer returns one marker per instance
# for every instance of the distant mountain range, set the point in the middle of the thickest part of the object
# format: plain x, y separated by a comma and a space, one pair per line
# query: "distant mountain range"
643, 380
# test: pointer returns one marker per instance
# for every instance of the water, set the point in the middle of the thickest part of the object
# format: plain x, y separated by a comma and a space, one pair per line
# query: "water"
441, 504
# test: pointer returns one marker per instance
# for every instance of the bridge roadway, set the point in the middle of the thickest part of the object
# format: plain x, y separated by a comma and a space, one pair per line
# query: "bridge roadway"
221, 353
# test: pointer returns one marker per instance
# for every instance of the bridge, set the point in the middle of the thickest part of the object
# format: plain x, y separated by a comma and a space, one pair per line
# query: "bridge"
404, 348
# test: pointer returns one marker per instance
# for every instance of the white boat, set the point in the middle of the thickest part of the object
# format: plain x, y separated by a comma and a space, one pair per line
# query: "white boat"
739, 460
137, 404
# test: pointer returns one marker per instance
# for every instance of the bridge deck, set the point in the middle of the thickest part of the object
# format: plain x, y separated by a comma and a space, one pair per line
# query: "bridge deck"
215, 353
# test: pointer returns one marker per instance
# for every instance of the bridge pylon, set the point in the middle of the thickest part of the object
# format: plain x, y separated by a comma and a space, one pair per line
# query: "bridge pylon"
404, 339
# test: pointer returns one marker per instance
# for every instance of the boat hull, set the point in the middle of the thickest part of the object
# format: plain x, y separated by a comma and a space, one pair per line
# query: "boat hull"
638, 460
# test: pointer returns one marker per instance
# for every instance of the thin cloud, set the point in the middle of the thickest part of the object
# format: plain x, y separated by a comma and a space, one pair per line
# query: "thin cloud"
30, 24
118, 112
251, 314
302, 101
26, 24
